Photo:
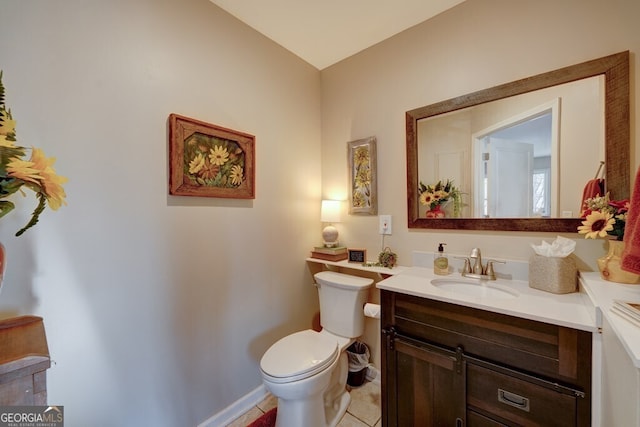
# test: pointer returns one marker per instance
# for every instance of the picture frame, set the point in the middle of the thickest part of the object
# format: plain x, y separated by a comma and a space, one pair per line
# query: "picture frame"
363, 180
206, 160
357, 255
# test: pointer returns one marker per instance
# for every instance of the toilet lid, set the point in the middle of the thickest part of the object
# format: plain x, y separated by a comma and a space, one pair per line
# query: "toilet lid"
299, 355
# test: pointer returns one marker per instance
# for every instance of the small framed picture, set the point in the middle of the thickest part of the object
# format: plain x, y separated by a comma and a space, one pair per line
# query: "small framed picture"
357, 255
363, 181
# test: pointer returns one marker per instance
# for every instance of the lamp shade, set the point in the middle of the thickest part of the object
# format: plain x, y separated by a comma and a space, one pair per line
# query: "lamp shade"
330, 211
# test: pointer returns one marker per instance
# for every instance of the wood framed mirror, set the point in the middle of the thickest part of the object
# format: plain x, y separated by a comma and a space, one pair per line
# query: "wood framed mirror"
614, 74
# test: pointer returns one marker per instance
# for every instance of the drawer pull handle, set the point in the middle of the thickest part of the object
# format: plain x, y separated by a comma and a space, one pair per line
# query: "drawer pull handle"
513, 399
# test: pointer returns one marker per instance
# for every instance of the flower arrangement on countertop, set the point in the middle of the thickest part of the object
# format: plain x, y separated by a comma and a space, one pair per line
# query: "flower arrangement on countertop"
17, 173
604, 217
435, 195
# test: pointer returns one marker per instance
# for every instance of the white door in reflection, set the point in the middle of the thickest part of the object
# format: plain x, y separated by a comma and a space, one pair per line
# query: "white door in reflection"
510, 177
514, 163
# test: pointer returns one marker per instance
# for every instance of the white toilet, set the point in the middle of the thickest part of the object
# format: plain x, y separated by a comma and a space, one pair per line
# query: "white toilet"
307, 370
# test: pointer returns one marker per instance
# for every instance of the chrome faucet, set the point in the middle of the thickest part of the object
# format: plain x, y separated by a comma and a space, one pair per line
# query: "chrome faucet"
478, 271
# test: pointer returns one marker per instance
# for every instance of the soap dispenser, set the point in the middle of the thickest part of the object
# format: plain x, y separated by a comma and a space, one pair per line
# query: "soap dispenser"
441, 262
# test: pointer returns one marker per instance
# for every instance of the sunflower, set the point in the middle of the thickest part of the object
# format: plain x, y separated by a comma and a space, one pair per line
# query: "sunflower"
218, 155
196, 164
597, 224
17, 173
236, 175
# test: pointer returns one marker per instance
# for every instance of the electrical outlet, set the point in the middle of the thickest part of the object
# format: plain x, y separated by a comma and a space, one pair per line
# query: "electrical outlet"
385, 224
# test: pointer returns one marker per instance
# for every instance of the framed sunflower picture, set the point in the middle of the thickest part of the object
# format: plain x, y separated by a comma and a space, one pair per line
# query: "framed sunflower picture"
206, 160
363, 197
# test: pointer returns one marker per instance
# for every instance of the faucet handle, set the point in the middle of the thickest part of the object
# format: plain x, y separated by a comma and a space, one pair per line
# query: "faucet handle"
466, 269
490, 271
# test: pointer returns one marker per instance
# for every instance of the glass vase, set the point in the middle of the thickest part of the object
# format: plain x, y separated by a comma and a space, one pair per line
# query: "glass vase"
436, 212
609, 265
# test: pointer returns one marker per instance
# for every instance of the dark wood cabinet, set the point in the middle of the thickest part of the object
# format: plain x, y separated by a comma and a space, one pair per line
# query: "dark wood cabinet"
450, 365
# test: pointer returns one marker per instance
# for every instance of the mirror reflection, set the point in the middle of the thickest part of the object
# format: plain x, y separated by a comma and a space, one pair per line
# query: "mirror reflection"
506, 182
512, 158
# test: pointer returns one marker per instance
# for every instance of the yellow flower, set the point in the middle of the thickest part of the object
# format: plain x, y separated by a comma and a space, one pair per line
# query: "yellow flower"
361, 156
7, 126
196, 164
218, 155
440, 195
236, 175
39, 172
36, 174
4, 142
24, 170
597, 224
52, 185
426, 198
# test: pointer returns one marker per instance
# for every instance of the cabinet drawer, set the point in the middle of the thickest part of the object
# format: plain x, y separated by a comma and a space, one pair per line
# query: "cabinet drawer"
518, 401
550, 350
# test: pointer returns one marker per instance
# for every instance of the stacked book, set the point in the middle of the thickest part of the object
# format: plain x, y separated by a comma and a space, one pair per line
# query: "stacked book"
337, 253
628, 310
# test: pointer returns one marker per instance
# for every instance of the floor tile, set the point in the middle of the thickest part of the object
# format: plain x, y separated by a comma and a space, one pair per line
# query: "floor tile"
365, 403
364, 409
247, 418
350, 421
269, 402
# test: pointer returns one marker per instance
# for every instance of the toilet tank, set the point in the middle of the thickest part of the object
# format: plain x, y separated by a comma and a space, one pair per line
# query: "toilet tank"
342, 299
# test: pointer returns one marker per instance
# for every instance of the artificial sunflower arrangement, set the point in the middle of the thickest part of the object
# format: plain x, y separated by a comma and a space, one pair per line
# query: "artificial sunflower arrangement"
17, 173
435, 195
604, 217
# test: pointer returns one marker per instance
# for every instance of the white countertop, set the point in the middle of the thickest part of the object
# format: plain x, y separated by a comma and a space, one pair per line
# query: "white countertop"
603, 293
573, 310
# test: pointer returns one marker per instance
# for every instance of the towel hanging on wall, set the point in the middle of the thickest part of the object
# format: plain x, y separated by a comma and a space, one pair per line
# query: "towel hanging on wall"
594, 187
631, 254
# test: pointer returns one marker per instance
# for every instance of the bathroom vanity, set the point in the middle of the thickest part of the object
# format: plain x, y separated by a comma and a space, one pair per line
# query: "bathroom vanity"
510, 356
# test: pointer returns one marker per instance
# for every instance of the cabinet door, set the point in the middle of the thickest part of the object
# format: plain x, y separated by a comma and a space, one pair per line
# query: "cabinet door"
424, 385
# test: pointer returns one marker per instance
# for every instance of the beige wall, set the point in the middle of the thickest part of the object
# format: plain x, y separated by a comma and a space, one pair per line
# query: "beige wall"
157, 308
475, 45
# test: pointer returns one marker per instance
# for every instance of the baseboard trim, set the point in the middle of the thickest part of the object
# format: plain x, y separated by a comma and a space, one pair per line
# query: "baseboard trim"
248, 401
237, 408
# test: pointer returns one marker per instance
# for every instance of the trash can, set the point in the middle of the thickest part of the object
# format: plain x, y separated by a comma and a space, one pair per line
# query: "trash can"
358, 354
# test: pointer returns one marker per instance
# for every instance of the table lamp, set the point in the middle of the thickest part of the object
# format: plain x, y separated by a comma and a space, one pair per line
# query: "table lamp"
330, 212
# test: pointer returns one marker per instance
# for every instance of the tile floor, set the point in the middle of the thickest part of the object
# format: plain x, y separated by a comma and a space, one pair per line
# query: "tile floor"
364, 410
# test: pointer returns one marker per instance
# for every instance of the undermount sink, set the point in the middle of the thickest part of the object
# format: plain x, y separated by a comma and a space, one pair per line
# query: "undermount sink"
474, 288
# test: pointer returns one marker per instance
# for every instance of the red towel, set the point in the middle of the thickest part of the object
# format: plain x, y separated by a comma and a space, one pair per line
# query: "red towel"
595, 187
631, 255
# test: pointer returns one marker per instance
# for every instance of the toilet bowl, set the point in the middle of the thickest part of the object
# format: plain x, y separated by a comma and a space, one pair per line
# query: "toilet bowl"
299, 369
307, 370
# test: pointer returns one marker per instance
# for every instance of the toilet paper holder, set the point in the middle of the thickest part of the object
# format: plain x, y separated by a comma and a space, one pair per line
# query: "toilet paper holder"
372, 310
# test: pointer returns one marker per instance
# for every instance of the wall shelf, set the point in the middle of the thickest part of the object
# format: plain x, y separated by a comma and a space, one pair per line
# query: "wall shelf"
316, 265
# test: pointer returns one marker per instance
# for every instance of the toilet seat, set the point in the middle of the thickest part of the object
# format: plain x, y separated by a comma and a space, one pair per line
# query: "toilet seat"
298, 356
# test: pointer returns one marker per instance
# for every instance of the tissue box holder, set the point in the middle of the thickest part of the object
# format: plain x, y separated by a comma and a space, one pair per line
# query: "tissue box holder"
553, 274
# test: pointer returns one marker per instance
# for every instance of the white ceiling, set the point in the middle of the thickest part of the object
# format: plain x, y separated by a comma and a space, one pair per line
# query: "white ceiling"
324, 32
